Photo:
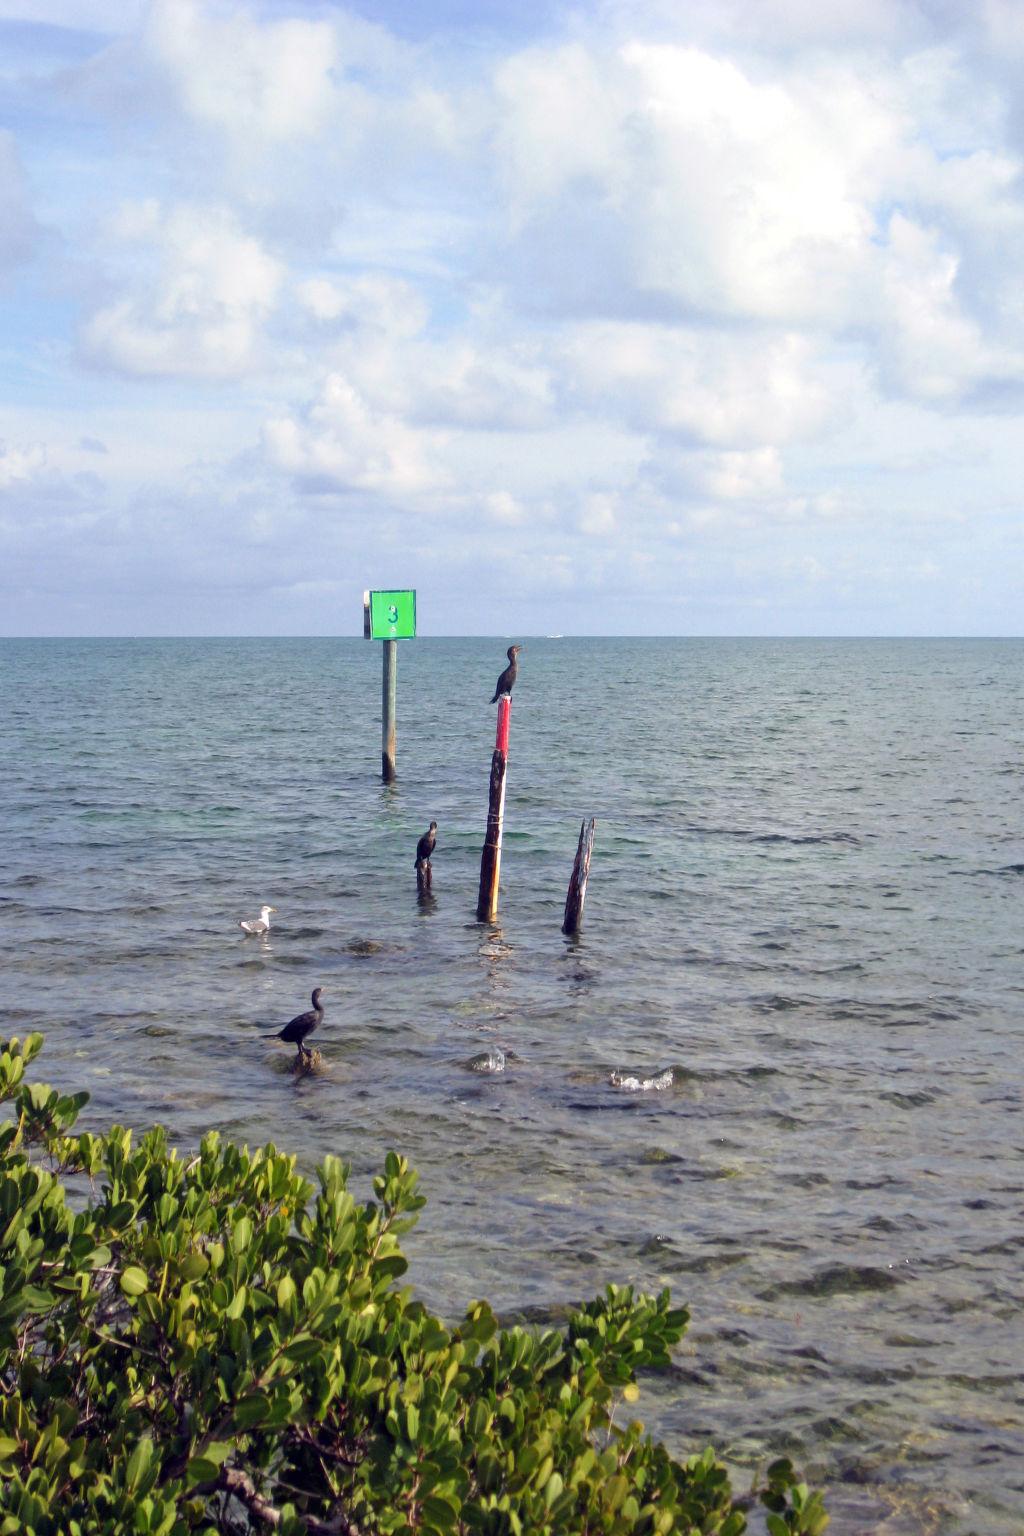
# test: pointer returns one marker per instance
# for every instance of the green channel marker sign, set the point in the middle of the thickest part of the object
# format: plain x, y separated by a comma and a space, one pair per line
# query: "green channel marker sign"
389, 615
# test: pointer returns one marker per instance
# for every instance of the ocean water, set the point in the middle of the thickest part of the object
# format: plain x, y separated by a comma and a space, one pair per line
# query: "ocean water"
805, 900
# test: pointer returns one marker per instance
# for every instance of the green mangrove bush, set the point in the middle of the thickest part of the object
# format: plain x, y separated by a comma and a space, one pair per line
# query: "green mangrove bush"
211, 1343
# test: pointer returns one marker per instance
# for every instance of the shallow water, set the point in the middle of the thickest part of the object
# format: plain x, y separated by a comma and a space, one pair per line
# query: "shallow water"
805, 900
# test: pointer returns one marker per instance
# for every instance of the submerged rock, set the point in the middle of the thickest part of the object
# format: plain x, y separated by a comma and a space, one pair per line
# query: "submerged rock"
309, 1065
630, 1083
364, 947
491, 1060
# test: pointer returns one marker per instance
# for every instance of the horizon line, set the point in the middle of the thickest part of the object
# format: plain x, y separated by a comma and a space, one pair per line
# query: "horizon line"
503, 634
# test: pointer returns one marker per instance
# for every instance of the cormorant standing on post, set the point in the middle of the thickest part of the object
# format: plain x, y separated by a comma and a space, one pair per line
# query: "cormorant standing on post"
296, 1030
425, 846
510, 673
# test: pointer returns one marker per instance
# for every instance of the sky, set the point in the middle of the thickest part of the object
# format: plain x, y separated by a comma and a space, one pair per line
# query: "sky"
634, 316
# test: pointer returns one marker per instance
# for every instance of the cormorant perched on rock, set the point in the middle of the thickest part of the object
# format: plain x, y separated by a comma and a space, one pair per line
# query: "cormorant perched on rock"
510, 673
259, 924
296, 1030
425, 846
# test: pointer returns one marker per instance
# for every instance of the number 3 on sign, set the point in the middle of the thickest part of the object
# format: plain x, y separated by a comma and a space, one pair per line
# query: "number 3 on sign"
389, 614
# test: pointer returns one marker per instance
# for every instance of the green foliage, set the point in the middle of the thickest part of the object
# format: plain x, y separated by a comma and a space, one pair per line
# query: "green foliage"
213, 1344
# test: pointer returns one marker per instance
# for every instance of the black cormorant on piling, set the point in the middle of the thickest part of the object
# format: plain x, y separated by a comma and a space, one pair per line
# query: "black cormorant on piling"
510, 673
296, 1030
425, 846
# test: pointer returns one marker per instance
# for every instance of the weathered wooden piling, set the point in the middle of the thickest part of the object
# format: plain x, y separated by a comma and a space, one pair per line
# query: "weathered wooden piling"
490, 859
389, 691
578, 883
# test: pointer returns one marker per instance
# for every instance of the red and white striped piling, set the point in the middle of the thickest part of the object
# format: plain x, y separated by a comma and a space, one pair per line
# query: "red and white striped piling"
490, 859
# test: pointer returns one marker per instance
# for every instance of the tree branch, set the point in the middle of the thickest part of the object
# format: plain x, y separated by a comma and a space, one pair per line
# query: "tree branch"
242, 1487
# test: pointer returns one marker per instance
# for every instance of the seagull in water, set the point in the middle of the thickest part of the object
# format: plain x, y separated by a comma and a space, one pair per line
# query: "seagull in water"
259, 924
508, 677
296, 1030
425, 846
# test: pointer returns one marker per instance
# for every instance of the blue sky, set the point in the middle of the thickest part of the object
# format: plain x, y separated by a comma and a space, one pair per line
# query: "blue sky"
564, 315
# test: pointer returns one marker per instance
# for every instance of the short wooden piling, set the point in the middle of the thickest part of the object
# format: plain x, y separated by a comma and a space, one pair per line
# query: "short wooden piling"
387, 712
578, 883
490, 859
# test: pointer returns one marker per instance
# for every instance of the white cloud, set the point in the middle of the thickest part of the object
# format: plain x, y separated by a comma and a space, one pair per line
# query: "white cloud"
322, 299
560, 121
728, 196
748, 202
197, 307
19, 464
294, 115
470, 384
720, 193
373, 303
502, 507
736, 476
43, 511
341, 443
379, 333
929, 349
731, 389
271, 80
598, 515
930, 346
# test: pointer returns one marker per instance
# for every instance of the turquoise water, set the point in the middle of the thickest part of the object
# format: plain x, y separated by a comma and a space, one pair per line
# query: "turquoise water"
805, 899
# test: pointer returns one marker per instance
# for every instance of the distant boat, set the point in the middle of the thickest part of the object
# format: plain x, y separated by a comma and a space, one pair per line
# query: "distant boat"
554, 637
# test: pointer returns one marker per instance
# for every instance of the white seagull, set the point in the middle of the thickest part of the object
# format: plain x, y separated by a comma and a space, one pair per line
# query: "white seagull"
259, 924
